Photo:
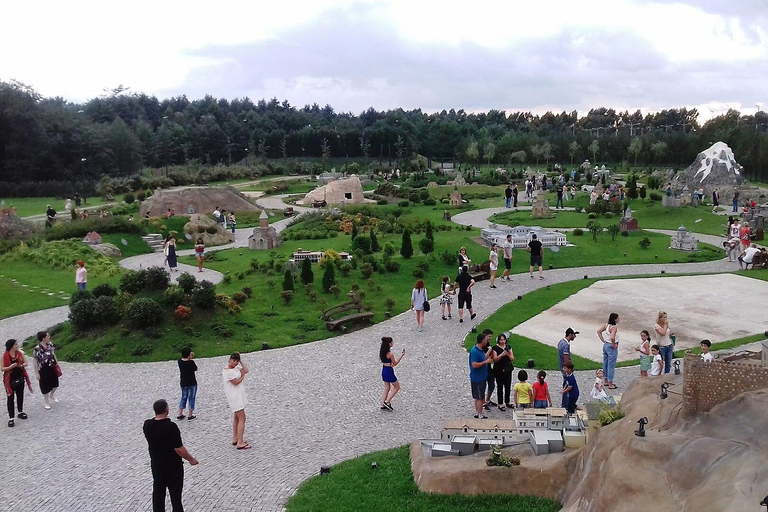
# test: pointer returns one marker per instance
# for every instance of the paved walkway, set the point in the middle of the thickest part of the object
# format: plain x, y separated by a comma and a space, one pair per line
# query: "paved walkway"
310, 405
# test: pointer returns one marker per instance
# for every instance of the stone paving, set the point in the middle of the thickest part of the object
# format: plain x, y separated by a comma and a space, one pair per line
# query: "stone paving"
310, 405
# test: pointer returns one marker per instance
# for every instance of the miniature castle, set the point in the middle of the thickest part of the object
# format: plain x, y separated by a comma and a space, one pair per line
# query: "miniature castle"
264, 236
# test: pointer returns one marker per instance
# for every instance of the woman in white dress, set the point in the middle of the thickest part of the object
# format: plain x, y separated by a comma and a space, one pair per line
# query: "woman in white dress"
234, 374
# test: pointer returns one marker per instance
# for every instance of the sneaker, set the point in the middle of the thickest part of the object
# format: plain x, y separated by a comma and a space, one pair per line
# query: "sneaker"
384, 407
461, 320
531, 276
502, 408
419, 329
11, 423
47, 407
389, 406
487, 406
180, 417
449, 315
472, 316
444, 318
483, 417
22, 415
541, 277
192, 417
476, 416
491, 402
493, 286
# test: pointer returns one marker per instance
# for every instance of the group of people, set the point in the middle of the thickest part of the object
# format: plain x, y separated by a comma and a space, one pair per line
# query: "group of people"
738, 245
16, 378
221, 217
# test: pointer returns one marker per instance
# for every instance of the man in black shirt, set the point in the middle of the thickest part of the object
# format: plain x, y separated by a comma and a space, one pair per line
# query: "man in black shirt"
559, 192
464, 283
165, 453
537, 254
514, 195
508, 195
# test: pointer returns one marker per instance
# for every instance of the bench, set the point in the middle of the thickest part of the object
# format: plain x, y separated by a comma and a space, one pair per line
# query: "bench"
354, 318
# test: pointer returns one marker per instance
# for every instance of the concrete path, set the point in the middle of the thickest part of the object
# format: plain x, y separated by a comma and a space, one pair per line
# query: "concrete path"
310, 405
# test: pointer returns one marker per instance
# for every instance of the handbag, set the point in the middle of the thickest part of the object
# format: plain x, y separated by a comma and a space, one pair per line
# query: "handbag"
58, 370
426, 305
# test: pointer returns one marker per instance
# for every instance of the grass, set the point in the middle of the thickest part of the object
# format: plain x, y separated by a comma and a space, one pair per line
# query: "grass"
134, 247
353, 485
26, 206
60, 283
724, 344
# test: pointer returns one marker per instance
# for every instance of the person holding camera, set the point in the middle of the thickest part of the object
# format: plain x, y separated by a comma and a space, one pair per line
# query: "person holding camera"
234, 374
503, 357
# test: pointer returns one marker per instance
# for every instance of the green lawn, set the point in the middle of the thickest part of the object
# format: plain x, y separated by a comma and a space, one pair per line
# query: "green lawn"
353, 485
44, 289
26, 206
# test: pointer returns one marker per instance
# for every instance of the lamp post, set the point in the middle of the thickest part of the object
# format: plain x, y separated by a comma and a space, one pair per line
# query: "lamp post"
246, 157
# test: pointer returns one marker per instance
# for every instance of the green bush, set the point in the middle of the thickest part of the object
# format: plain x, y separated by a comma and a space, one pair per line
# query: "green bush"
345, 269
403, 204
288, 283
204, 295
429, 202
449, 258
222, 330
287, 296
157, 280
187, 282
392, 266
104, 289
129, 198
239, 297
227, 279
366, 270
329, 278
645, 243
592, 215
143, 312
105, 310
381, 202
578, 232
174, 297
406, 249
362, 243
307, 276
81, 314
80, 295
374, 242
655, 196
133, 281
248, 291
418, 273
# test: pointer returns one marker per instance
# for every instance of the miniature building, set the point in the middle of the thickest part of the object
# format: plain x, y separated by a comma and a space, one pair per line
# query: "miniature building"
504, 430
546, 441
628, 223
464, 444
521, 235
685, 197
671, 201
459, 181
540, 208
683, 241
551, 418
264, 236
92, 238
314, 256
455, 195
342, 191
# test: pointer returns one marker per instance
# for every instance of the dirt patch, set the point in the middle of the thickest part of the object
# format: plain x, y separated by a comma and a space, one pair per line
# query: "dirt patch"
203, 200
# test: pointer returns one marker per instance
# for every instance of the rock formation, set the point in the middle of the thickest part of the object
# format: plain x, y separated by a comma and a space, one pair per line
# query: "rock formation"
201, 226
202, 199
343, 191
109, 250
715, 167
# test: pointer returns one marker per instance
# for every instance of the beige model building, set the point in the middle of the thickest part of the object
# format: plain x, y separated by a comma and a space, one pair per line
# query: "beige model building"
265, 236
343, 191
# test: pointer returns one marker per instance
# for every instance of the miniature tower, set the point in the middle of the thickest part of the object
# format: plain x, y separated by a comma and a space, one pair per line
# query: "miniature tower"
263, 220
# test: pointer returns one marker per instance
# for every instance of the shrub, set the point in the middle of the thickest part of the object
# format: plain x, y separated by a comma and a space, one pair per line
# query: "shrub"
592, 215
183, 312
329, 256
374, 242
392, 266
222, 330
307, 276
496, 458
129, 198
418, 273
141, 195
329, 278
610, 414
645, 243
613, 230
288, 283
227, 279
625, 233
362, 243
403, 204
595, 228
248, 291
449, 258
81, 313
80, 295
233, 308
239, 297
578, 232
427, 245
204, 295
104, 289
287, 296
366, 270
429, 202
381, 201
390, 303
345, 269
158, 279
655, 196
105, 310
173, 296
423, 265
335, 290
187, 282
389, 249
133, 281
406, 249
143, 313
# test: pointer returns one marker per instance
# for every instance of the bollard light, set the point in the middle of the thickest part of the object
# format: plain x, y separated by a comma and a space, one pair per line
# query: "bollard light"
531, 363
664, 387
374, 465
676, 364
663, 271
265, 346
519, 297
325, 470
640, 432
586, 276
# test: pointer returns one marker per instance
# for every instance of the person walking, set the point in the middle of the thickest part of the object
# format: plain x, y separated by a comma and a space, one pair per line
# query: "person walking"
199, 253
536, 249
388, 363
715, 200
188, 383
508, 195
493, 262
478, 373
503, 359
515, 193
46, 368
564, 348
14, 376
446, 297
735, 199
570, 389
418, 299
170, 253
464, 284
232, 222
81, 275
664, 339
166, 452
507, 247
609, 336
234, 374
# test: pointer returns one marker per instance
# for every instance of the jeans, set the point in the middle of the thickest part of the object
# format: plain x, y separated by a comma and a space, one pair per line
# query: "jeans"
735, 205
188, 393
81, 286
667, 353
559, 203
503, 386
173, 480
540, 404
19, 392
610, 355
509, 201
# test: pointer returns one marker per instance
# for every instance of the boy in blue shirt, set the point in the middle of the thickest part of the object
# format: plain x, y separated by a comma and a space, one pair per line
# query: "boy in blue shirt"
570, 388
478, 372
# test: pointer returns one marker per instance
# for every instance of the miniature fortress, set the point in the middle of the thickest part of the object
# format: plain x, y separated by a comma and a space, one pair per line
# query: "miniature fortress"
314, 256
521, 235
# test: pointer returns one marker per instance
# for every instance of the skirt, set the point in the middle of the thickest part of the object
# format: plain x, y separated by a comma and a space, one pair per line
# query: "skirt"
645, 363
446, 298
388, 374
48, 379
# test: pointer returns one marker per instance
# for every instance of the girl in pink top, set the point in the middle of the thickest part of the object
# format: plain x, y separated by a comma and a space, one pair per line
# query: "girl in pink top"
81, 275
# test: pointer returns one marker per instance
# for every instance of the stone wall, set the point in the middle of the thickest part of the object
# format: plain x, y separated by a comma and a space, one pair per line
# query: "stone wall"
707, 384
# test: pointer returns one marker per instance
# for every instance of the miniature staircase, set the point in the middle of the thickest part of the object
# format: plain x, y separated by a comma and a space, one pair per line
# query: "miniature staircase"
154, 241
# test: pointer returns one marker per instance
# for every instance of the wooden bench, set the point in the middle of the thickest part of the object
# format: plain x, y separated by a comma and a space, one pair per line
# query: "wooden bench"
341, 323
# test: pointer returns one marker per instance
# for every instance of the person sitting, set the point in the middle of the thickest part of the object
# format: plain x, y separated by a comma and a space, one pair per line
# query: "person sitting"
746, 258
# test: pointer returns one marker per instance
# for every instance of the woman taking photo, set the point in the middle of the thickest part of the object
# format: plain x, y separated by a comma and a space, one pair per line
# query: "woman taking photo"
233, 375
199, 253
609, 335
14, 376
46, 371
418, 298
464, 260
664, 340
388, 363
503, 357
170, 253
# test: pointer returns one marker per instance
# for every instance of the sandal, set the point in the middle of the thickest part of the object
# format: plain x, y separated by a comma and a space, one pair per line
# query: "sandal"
246, 446
23, 416
11, 423
612, 386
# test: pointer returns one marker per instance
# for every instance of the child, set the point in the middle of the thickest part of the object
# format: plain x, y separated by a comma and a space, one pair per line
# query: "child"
657, 363
541, 396
705, 355
445, 298
598, 393
570, 388
645, 353
523, 391
187, 369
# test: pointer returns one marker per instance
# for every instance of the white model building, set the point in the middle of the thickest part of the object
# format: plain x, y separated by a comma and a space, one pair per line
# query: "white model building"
505, 430
314, 256
521, 235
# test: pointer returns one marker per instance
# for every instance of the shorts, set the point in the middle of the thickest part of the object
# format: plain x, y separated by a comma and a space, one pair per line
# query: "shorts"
465, 298
478, 390
645, 363
540, 404
508, 263
524, 406
536, 261
493, 267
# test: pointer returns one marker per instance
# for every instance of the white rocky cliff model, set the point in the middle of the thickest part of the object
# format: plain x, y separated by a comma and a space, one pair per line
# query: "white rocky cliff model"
715, 167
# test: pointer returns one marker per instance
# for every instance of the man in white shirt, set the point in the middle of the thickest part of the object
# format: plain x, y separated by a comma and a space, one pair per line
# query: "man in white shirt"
507, 246
217, 214
747, 256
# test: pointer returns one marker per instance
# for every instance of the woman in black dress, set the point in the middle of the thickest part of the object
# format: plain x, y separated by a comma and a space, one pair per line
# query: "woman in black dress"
45, 364
502, 369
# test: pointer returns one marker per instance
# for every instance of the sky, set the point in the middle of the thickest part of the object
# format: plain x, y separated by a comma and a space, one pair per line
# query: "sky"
548, 55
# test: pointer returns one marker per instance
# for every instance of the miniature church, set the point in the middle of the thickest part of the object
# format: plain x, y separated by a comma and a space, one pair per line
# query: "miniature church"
264, 236
455, 196
683, 241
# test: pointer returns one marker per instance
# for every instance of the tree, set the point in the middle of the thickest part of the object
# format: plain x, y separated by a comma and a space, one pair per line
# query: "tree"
263, 149
284, 147
573, 148
429, 233
632, 186
635, 147
287, 296
613, 230
329, 277
427, 245
645, 243
594, 148
472, 152
326, 151
288, 280
658, 149
489, 152
307, 276
354, 231
374, 242
406, 249
595, 228
642, 193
